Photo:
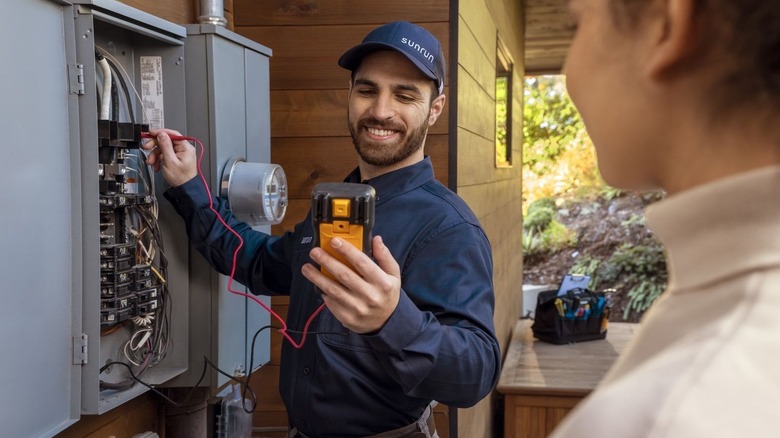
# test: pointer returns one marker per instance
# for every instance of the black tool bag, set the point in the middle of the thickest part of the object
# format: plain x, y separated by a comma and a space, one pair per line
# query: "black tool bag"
574, 316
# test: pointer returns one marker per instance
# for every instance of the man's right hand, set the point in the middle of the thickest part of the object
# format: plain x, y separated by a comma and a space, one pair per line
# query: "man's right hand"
177, 159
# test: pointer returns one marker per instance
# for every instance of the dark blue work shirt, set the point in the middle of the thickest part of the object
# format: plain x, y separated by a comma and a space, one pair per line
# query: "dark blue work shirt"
440, 342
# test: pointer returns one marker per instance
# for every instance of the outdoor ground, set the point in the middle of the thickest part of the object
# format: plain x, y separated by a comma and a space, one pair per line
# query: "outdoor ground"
602, 225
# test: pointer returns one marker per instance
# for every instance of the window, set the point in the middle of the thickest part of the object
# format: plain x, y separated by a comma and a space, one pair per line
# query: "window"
503, 106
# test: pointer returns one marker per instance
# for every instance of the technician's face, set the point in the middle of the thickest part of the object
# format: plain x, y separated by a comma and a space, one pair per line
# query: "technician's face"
604, 79
390, 109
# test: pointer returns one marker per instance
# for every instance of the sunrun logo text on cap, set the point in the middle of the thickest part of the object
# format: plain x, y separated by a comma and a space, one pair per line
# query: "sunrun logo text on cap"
422, 50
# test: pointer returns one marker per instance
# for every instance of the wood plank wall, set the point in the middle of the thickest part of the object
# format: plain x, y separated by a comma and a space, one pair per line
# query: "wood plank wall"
493, 193
548, 34
309, 135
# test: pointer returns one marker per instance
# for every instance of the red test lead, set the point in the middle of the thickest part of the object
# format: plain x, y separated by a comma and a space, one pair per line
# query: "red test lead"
173, 137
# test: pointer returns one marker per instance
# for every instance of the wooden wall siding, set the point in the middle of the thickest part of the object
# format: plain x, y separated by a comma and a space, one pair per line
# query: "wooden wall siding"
230, 16
493, 193
548, 34
330, 12
305, 57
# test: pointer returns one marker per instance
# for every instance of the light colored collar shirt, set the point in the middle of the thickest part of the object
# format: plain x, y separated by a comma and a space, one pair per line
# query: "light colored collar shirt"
706, 360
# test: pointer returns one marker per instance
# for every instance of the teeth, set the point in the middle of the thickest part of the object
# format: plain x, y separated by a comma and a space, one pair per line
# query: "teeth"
380, 132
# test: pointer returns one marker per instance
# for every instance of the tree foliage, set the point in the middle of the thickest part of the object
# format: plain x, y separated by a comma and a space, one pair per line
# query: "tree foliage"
550, 122
558, 156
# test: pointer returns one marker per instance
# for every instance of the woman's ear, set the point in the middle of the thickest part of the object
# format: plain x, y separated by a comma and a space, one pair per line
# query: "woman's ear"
675, 34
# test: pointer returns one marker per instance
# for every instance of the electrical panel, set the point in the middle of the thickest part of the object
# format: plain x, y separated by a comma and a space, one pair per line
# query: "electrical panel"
134, 274
102, 287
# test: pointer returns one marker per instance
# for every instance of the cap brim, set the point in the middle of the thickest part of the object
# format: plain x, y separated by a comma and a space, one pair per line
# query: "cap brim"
351, 59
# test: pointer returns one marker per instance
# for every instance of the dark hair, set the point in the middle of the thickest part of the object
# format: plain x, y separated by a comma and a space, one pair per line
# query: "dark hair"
746, 33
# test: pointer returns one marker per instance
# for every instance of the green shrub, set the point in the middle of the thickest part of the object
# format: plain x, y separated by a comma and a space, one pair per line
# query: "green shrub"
556, 237
546, 202
639, 269
531, 243
542, 232
538, 219
609, 193
641, 296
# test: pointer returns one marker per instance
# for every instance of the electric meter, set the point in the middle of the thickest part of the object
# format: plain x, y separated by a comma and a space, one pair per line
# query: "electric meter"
256, 192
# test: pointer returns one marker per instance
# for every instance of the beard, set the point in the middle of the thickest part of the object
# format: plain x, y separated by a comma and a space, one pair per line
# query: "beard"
383, 154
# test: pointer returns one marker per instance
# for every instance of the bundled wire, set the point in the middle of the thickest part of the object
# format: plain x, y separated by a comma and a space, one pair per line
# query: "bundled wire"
125, 84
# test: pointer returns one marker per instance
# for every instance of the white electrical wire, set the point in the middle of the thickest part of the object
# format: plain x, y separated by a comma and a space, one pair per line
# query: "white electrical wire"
127, 355
105, 53
145, 333
105, 100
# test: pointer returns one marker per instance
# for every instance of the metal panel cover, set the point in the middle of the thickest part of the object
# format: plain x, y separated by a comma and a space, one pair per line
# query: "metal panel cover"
40, 239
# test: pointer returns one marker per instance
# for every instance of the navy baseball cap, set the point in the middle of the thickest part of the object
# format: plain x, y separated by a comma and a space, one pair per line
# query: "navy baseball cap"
411, 40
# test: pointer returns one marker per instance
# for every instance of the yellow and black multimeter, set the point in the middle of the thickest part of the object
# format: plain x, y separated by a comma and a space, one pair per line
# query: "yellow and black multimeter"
344, 210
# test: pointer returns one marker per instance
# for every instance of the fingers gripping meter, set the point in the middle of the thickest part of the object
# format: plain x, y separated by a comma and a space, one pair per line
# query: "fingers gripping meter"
344, 210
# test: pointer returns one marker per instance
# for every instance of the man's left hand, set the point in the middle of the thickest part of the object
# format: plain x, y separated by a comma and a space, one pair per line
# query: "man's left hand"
363, 299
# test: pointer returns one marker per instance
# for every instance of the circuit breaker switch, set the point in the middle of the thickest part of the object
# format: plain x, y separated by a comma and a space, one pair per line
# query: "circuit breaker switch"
341, 207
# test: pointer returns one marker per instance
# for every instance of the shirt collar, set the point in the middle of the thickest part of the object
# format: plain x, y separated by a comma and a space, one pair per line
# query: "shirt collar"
397, 182
721, 229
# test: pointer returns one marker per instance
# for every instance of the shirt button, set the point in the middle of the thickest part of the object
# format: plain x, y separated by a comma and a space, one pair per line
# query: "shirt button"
306, 370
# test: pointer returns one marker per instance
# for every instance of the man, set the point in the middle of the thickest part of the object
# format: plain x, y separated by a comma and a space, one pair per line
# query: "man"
413, 326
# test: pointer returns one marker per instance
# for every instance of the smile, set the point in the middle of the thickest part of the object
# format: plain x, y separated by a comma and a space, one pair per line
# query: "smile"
380, 132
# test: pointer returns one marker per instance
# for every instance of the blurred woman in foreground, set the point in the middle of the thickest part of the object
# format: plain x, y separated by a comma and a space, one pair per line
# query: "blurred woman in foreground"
684, 96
